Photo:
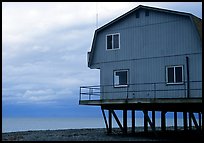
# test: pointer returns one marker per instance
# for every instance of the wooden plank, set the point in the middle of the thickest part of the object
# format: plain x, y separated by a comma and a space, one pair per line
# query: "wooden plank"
189, 119
133, 121
175, 121
199, 119
153, 120
125, 121
117, 120
110, 122
149, 121
185, 120
139, 100
163, 120
145, 121
104, 117
194, 121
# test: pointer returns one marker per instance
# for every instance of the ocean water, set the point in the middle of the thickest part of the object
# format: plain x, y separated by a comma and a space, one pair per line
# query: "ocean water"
28, 124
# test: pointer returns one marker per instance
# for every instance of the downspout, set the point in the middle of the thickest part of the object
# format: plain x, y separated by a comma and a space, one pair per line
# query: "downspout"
187, 70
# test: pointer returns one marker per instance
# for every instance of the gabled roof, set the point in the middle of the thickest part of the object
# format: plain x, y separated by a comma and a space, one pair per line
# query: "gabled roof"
195, 20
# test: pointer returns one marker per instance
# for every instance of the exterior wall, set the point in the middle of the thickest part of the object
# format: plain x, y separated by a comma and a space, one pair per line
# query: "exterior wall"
147, 45
152, 71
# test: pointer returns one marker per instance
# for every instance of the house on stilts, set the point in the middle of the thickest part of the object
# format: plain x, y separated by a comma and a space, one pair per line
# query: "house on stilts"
150, 59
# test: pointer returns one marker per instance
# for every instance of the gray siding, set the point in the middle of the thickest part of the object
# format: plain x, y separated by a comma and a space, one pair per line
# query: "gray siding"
147, 46
152, 71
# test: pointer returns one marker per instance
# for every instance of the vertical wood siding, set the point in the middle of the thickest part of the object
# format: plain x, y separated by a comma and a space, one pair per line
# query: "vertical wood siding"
147, 46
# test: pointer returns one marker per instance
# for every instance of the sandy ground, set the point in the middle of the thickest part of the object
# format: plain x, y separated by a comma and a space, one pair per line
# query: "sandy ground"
97, 134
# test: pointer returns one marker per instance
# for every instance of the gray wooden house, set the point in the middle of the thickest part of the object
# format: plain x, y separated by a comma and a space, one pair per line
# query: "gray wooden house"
147, 55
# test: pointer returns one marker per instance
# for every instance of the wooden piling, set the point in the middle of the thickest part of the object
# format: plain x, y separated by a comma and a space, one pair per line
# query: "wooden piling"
175, 121
125, 121
110, 122
163, 120
185, 120
153, 120
189, 119
133, 121
145, 120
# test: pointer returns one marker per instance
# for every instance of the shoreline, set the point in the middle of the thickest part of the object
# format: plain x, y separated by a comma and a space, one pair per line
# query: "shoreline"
100, 134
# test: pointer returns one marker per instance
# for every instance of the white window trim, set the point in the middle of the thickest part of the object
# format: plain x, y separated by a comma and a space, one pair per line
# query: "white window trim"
174, 75
112, 42
114, 78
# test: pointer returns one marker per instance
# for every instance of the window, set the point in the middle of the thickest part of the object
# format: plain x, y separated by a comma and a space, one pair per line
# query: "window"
146, 12
113, 41
174, 74
121, 78
137, 14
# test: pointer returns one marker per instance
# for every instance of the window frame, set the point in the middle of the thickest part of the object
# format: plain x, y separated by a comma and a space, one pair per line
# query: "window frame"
137, 14
174, 67
146, 12
112, 41
120, 70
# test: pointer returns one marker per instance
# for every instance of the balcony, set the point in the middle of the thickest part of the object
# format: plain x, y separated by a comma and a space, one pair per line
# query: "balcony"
159, 92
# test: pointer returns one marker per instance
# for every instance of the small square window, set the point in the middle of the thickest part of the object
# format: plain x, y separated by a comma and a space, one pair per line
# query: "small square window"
174, 74
113, 41
146, 12
120, 78
137, 14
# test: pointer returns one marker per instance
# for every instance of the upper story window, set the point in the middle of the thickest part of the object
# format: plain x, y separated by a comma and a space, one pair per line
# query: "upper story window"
120, 78
137, 14
174, 74
146, 12
113, 41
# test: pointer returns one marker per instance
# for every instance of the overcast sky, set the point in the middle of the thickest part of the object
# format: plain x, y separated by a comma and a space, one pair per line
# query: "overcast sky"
44, 52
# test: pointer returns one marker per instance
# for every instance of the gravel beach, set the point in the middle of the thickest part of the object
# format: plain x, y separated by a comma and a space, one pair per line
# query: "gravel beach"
96, 134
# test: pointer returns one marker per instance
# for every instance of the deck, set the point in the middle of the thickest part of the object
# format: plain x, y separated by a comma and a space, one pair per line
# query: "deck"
140, 100
187, 101
178, 104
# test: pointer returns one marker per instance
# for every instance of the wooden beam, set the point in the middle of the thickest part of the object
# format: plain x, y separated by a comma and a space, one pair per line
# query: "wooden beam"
145, 121
133, 121
153, 120
163, 120
117, 120
149, 121
104, 117
185, 120
125, 121
110, 121
194, 120
175, 121
199, 119
189, 119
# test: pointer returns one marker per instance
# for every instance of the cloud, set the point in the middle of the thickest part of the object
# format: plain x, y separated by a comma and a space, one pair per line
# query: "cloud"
44, 47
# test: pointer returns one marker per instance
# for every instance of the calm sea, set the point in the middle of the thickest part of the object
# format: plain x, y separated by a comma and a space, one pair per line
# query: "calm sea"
26, 124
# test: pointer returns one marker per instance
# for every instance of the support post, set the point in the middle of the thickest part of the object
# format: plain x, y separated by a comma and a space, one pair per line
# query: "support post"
185, 120
199, 120
104, 116
194, 120
189, 119
125, 121
175, 120
110, 122
145, 121
153, 120
187, 70
163, 120
133, 121
149, 121
117, 120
